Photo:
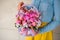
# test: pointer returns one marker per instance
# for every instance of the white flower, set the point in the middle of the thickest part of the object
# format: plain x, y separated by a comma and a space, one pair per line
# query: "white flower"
25, 25
38, 23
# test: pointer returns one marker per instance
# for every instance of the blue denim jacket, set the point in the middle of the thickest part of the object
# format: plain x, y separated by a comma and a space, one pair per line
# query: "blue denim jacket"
50, 10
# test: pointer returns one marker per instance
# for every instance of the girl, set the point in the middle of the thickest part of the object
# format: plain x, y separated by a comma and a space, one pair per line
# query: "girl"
50, 10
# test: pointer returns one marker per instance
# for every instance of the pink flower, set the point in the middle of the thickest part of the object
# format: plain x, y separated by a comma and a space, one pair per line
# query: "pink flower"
27, 19
34, 23
31, 20
17, 22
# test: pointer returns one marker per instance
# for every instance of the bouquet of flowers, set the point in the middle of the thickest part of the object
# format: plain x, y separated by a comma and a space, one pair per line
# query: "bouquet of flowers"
28, 20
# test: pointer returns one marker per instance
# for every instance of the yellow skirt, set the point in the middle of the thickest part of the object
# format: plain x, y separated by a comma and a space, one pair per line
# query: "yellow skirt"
44, 36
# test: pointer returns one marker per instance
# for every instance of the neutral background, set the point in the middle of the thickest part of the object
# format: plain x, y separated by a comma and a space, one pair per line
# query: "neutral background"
8, 10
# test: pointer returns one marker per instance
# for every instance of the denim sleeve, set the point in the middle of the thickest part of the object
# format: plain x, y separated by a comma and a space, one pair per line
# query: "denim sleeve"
34, 3
56, 20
